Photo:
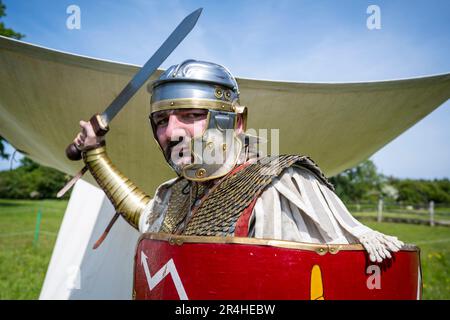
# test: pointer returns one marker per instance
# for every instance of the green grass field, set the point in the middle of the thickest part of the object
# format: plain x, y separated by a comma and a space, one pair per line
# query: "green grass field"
23, 266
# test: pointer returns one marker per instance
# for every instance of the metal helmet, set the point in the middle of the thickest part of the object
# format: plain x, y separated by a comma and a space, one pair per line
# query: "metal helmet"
196, 84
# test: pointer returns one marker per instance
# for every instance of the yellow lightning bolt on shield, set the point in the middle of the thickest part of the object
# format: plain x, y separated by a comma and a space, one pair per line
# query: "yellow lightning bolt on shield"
316, 284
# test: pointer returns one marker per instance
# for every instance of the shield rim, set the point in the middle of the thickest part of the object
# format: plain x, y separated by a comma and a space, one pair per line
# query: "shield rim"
318, 248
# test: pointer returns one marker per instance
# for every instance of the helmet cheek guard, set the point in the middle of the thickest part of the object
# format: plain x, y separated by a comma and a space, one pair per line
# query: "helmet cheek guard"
203, 85
216, 150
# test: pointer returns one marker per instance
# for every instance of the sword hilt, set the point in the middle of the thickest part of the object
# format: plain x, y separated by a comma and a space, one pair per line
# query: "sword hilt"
100, 129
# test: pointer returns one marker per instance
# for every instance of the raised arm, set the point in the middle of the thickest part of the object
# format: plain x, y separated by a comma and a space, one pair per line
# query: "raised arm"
125, 196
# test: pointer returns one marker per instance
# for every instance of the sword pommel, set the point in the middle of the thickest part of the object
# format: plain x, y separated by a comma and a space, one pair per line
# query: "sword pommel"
73, 153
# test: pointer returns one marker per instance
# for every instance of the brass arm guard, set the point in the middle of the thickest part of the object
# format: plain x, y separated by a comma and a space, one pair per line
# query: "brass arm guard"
125, 196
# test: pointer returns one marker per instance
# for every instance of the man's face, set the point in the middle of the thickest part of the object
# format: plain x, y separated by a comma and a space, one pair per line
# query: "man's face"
175, 129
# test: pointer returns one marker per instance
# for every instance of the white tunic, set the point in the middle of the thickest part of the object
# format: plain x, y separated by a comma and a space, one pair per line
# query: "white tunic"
296, 206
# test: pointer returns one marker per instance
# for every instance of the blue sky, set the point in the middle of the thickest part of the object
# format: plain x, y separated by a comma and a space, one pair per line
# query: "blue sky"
305, 41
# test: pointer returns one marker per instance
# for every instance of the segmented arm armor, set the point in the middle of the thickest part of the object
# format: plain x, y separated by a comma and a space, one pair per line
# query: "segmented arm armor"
125, 196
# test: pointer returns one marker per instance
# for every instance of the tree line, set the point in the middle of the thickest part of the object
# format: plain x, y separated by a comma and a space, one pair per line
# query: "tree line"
363, 183
31, 181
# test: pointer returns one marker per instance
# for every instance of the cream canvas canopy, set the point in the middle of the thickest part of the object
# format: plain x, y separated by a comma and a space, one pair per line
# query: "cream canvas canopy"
44, 93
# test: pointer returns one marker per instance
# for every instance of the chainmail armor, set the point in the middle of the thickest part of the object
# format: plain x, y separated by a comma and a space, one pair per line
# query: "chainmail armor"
219, 212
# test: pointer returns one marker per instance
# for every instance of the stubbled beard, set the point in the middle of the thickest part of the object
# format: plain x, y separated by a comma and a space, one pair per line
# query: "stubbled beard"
178, 167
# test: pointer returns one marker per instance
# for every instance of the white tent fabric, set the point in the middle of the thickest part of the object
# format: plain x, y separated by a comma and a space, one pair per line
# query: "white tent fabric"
44, 93
78, 272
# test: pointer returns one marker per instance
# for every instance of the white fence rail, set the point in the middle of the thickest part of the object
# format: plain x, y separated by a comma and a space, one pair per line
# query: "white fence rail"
427, 213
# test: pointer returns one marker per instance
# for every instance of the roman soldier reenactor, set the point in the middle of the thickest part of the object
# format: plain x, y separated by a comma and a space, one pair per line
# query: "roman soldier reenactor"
223, 186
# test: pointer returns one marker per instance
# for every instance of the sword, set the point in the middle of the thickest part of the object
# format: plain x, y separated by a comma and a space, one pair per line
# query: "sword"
100, 122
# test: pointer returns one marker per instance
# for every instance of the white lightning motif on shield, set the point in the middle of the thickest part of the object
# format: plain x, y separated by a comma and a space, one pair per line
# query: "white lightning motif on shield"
169, 267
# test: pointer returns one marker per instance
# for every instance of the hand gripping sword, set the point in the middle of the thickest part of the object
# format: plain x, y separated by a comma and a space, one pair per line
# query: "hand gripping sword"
100, 122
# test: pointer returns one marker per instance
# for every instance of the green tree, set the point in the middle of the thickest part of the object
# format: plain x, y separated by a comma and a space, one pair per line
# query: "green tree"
7, 32
28, 164
364, 183
422, 191
359, 183
31, 180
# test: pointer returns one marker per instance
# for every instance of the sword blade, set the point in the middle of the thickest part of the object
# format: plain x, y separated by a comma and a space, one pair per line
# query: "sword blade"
151, 65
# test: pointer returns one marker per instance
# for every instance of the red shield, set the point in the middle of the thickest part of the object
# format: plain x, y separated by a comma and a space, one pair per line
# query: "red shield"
186, 267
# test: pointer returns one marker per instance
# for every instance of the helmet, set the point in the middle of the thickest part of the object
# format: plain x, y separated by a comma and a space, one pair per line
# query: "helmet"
196, 84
